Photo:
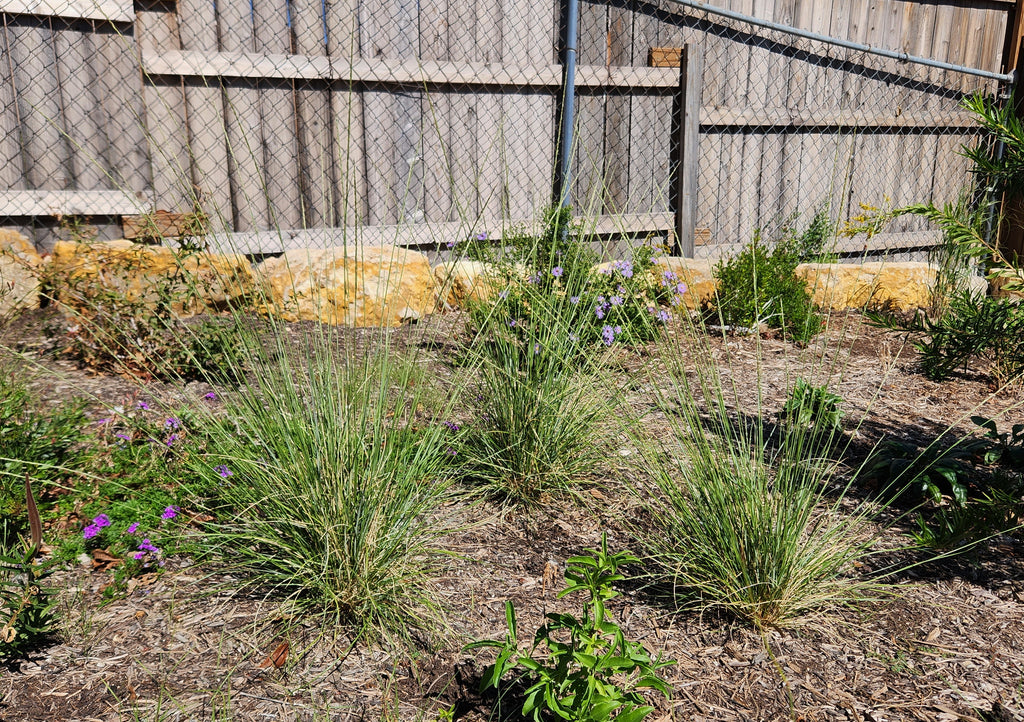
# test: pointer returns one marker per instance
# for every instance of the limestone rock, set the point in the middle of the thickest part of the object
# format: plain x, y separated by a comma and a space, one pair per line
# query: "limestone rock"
463, 281
19, 273
696, 273
194, 283
900, 286
350, 285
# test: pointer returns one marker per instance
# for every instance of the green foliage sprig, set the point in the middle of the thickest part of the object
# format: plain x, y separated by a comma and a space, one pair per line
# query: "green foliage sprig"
812, 406
580, 668
759, 285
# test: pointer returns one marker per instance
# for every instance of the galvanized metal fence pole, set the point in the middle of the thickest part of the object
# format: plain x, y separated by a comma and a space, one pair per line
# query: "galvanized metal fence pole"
563, 180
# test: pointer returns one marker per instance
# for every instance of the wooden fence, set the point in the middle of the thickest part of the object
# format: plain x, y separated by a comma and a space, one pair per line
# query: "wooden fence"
425, 121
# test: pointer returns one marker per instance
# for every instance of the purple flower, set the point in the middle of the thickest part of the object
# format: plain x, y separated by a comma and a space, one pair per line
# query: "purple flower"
599, 312
534, 279
172, 423
450, 244
223, 470
138, 555
143, 405
147, 546
170, 512
616, 300
574, 300
512, 323
133, 527
451, 426
210, 396
101, 521
624, 267
557, 271
574, 338
664, 316
680, 288
608, 334
123, 437
536, 349
668, 277
102, 421
171, 439
450, 451
482, 236
90, 531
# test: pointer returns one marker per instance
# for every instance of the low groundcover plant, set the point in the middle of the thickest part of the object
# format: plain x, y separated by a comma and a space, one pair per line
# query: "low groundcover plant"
580, 669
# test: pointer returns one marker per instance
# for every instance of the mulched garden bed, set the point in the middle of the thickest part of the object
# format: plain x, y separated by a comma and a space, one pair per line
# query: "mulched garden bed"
948, 644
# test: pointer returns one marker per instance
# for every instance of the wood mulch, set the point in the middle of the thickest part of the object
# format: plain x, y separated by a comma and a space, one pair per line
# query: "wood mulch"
948, 644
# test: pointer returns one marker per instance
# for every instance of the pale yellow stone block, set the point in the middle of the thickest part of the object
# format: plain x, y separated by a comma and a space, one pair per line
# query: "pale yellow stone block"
349, 285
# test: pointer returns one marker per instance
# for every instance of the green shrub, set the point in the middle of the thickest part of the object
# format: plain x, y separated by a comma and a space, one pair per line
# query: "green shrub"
759, 285
901, 467
586, 670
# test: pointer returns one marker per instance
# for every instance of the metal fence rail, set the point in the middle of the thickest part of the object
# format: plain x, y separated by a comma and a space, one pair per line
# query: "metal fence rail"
298, 122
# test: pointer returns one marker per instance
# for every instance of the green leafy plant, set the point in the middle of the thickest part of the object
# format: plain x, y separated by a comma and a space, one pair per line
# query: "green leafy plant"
759, 285
579, 668
26, 611
812, 406
975, 331
900, 467
1000, 448
49, 445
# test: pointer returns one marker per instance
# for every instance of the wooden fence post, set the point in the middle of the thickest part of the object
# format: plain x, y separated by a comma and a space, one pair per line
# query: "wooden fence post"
1011, 234
687, 126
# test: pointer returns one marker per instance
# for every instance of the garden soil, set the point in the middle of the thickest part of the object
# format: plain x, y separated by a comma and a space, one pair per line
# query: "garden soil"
946, 644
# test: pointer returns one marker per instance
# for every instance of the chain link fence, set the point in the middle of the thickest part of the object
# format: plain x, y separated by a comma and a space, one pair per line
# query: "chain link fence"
282, 123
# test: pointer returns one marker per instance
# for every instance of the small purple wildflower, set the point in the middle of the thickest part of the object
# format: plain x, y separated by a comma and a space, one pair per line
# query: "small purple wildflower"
90, 531
512, 323
138, 555
574, 338
450, 244
101, 521
451, 426
616, 300
123, 437
171, 439
143, 405
557, 271
624, 267
668, 277
147, 545
574, 300
450, 451
680, 288
223, 471
599, 312
608, 334
536, 349
133, 527
664, 316
103, 421
170, 512
210, 396
534, 279
482, 236
172, 423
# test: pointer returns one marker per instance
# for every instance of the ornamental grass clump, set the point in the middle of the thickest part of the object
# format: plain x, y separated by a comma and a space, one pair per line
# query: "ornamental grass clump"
537, 416
740, 516
327, 481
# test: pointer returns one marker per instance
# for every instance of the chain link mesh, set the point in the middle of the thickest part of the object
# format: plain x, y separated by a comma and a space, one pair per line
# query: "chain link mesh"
427, 121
